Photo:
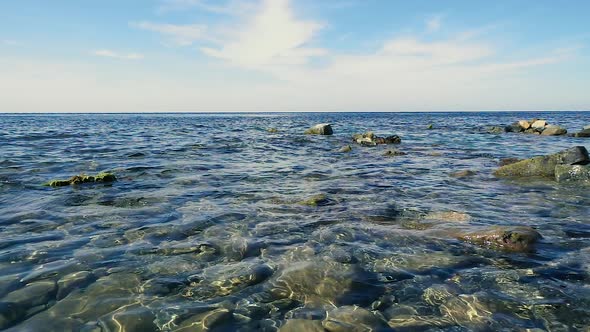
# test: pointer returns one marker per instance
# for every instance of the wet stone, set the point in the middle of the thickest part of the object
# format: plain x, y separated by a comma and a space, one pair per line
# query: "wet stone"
346, 148
33, 294
353, 318
71, 281
518, 238
301, 325
449, 216
129, 319
205, 321
326, 282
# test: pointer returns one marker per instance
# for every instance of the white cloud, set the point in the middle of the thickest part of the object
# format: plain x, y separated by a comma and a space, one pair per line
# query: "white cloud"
272, 36
183, 35
10, 42
434, 23
112, 54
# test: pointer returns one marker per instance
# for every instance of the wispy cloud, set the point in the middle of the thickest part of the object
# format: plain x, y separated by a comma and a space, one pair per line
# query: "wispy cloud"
115, 55
9, 42
434, 23
272, 36
182, 35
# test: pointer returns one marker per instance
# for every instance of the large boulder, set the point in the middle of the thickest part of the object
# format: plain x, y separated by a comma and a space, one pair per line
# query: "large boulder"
544, 166
519, 238
320, 129
564, 173
553, 130
539, 125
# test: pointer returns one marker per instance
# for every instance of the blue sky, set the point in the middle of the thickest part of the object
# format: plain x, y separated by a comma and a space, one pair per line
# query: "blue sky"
297, 55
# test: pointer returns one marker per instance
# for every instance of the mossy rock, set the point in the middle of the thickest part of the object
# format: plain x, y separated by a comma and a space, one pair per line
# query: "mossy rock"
544, 166
79, 179
316, 200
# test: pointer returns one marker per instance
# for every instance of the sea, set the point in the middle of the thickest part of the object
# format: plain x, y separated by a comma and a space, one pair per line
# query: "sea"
241, 222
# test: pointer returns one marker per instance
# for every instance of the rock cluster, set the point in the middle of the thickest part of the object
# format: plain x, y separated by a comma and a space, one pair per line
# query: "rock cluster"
535, 126
370, 139
545, 166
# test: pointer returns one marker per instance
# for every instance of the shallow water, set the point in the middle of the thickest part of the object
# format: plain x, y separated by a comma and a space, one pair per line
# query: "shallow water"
204, 229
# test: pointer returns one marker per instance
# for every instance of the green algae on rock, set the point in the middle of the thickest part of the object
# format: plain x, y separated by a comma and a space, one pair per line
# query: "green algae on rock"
79, 179
544, 166
316, 200
566, 173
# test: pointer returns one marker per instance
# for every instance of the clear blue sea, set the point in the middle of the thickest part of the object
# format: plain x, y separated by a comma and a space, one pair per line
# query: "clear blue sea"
204, 229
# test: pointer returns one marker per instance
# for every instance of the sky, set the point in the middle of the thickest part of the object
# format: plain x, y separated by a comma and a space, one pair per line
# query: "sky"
293, 55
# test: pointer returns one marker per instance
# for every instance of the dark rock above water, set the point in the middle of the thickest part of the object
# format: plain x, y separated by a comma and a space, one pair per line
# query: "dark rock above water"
544, 166
583, 133
320, 129
369, 138
520, 239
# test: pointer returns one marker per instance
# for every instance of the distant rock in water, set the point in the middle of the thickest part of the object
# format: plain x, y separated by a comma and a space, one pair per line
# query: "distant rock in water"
346, 148
583, 133
544, 166
79, 179
463, 174
320, 129
534, 126
316, 200
521, 239
370, 139
393, 153
272, 130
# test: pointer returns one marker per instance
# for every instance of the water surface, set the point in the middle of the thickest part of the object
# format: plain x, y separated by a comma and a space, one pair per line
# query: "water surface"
203, 227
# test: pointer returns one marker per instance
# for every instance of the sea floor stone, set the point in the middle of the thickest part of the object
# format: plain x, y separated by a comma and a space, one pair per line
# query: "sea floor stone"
354, 319
302, 325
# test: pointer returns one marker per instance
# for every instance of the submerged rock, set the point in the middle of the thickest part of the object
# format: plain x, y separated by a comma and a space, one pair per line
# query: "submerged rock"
393, 153
520, 239
79, 179
300, 325
463, 174
448, 216
272, 130
353, 318
317, 200
346, 148
495, 130
320, 129
544, 166
326, 282
564, 173
205, 321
